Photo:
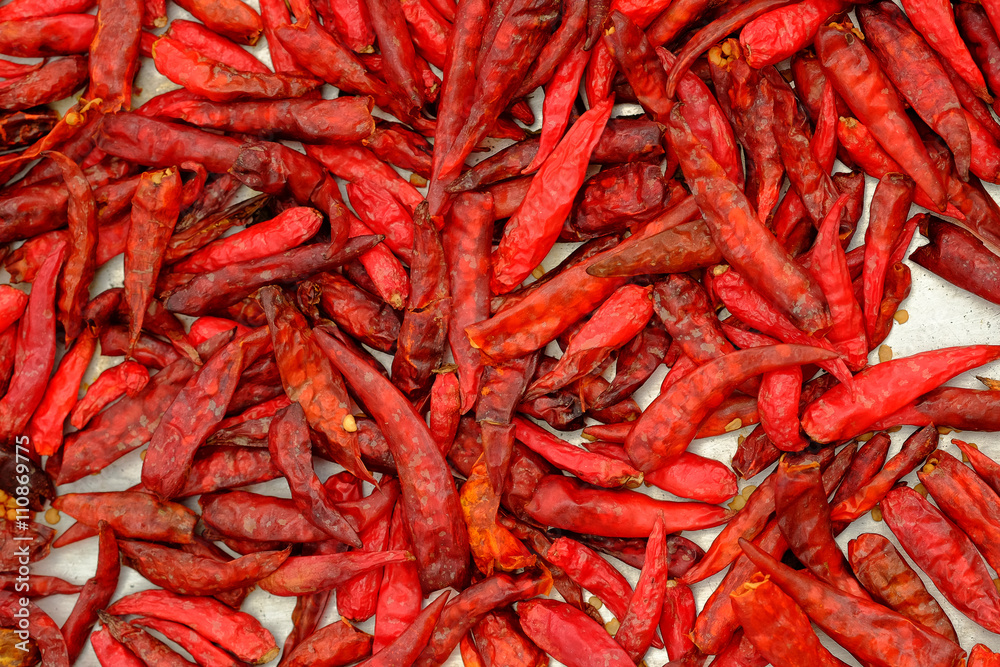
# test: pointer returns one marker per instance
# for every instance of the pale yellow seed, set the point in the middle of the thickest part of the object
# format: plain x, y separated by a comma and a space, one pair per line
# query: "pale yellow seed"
893, 429
142, 454
52, 516
734, 425
865, 437
10, 502
740, 439
876, 514
884, 353
901, 317
996, 584
417, 180
612, 626
350, 424
944, 430
538, 273
12, 515
3, 496
595, 602
737, 503
921, 489
748, 489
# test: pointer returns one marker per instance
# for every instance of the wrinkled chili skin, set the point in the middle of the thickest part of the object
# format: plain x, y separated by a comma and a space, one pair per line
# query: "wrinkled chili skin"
53, 81
232, 18
114, 53
960, 258
891, 581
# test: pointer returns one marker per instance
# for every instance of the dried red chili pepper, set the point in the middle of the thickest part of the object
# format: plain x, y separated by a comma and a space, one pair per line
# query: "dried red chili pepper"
531, 233
661, 434
965, 498
237, 632
944, 553
336, 643
803, 516
35, 352
985, 467
110, 651
440, 557
879, 390
399, 595
114, 53
156, 207
232, 18
922, 81
638, 625
730, 218
868, 92
45, 429
561, 502
892, 581
422, 335
850, 621
781, 33
777, 626
96, 593
569, 635
214, 46
399, 56
147, 518
960, 258
937, 22
219, 82
45, 36
594, 469
589, 570
889, 208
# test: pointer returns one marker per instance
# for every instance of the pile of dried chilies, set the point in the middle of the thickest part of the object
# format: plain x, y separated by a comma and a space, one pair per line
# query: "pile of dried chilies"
247, 356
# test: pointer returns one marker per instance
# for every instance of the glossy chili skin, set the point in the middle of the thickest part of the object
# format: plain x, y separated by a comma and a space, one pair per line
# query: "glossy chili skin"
944, 553
891, 581
569, 635
232, 18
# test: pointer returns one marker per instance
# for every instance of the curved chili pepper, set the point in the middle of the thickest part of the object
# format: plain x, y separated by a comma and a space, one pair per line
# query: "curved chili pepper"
561, 502
147, 648
399, 595
560, 96
303, 575
638, 625
40, 37
147, 518
338, 643
669, 424
588, 569
594, 469
114, 53
960, 258
46, 426
937, 22
741, 237
214, 46
110, 651
781, 33
96, 593
232, 18
713, 32
944, 553
399, 56
235, 631
803, 516
880, 390
889, 207
492, 544
892, 581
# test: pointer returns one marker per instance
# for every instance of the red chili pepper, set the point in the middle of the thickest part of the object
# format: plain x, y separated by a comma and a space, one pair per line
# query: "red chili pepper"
663, 433
937, 22
114, 53
892, 581
944, 553
868, 92
851, 621
214, 46
232, 18
111, 652
881, 389
219, 82
781, 33
399, 595
981, 656
35, 353
569, 635
147, 517
638, 625
337, 643
742, 238
435, 522
46, 426
530, 235
237, 632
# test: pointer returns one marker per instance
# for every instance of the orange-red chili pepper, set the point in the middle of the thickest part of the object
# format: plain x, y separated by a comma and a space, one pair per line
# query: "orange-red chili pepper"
232, 18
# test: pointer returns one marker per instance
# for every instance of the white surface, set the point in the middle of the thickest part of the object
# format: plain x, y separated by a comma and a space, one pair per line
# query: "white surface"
941, 315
